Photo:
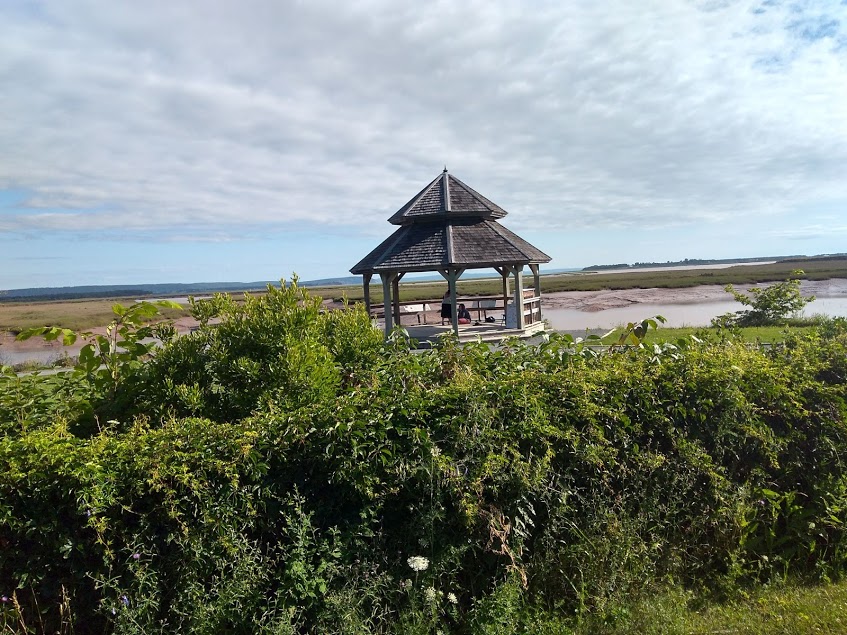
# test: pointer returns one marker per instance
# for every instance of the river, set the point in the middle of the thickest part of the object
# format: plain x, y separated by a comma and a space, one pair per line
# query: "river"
677, 314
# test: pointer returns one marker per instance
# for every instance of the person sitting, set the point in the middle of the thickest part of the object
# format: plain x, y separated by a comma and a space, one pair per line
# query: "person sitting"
464, 315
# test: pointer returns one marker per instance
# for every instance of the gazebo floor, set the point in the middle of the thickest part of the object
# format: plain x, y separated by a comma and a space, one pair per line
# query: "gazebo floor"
427, 334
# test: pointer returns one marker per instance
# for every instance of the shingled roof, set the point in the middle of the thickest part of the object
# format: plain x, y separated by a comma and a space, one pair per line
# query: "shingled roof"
446, 196
448, 224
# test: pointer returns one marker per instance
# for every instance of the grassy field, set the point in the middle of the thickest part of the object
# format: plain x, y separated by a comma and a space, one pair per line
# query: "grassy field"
783, 609
78, 315
84, 314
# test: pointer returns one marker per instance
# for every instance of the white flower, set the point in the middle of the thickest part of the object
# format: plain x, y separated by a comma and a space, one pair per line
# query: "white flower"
435, 451
418, 563
430, 594
451, 597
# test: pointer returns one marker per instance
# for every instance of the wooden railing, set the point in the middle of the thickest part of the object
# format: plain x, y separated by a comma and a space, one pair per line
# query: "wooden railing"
481, 305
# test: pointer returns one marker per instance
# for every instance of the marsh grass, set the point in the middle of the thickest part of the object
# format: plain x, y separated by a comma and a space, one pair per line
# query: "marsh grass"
78, 315
740, 275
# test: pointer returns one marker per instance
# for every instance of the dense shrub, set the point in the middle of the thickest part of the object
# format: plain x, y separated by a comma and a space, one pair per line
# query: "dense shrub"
276, 473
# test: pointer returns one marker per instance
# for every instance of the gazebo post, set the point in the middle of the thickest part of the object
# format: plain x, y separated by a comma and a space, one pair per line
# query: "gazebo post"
366, 283
519, 297
395, 285
504, 272
536, 280
452, 275
386, 301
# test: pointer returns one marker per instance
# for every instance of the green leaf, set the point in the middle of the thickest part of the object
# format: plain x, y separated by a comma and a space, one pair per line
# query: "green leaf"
31, 332
169, 304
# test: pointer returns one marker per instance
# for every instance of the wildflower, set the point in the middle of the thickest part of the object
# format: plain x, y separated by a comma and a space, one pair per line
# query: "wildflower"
136, 556
451, 597
4, 599
405, 584
124, 600
430, 594
418, 563
435, 451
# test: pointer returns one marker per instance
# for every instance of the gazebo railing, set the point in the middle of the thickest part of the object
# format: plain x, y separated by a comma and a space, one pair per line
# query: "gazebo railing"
480, 305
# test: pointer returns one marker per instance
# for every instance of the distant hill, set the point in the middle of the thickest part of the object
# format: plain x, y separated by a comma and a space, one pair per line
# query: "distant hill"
125, 290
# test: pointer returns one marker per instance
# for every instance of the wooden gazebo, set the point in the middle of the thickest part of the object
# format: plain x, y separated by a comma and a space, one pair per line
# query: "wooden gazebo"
448, 227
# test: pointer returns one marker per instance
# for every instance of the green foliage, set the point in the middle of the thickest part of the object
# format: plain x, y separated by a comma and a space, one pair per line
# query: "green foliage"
103, 366
279, 350
281, 469
769, 305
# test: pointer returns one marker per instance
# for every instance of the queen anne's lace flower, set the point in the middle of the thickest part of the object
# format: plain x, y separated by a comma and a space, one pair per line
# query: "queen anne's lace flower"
451, 597
430, 594
418, 563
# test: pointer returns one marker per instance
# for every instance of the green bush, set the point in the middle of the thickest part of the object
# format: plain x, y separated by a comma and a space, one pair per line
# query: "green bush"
281, 471
773, 304
278, 350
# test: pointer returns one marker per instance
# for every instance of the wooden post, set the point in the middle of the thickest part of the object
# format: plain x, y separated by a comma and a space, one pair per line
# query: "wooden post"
537, 283
395, 286
386, 302
452, 275
504, 272
366, 283
454, 308
519, 296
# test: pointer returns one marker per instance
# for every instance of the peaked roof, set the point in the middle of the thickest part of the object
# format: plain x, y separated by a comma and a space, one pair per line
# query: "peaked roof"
446, 196
468, 243
448, 224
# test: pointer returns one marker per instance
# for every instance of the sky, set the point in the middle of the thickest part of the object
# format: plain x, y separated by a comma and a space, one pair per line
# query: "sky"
247, 140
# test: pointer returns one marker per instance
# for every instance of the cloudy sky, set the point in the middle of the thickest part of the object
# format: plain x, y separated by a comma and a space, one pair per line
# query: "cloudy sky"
196, 141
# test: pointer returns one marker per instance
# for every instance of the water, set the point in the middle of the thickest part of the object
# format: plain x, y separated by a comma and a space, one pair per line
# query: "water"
682, 314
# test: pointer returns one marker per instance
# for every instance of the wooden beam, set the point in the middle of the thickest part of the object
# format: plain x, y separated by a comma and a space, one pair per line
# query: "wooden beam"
395, 287
386, 302
366, 284
505, 272
537, 284
519, 296
452, 275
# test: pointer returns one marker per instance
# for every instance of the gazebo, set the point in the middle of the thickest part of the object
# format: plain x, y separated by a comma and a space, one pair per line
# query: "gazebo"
449, 227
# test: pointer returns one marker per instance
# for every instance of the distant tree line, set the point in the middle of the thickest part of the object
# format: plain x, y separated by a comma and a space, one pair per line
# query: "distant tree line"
691, 262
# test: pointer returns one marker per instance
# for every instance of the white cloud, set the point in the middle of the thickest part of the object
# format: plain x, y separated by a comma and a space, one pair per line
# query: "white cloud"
206, 120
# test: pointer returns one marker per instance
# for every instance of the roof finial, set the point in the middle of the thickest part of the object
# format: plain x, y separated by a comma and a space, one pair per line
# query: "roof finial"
445, 169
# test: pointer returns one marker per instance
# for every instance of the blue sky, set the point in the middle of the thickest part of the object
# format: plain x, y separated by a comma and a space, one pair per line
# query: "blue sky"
242, 141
